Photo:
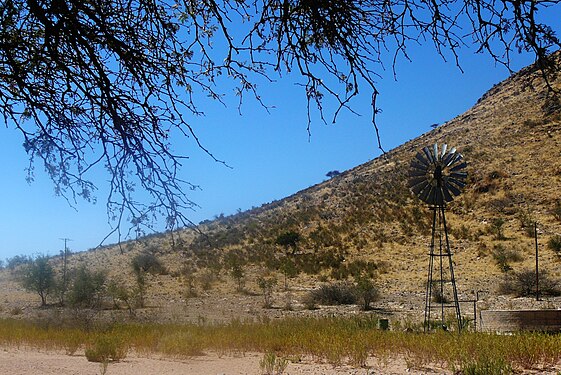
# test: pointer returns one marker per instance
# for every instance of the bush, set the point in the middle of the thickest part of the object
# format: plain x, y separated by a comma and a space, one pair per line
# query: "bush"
554, 243
38, 276
342, 293
106, 349
496, 228
523, 284
366, 291
267, 284
87, 288
148, 262
486, 366
273, 365
503, 257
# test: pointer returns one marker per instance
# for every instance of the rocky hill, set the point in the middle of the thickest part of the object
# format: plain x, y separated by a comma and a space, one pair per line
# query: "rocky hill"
365, 221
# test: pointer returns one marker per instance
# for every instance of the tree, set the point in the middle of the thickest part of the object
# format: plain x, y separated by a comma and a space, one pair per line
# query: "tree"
87, 288
100, 84
332, 174
39, 277
366, 290
289, 240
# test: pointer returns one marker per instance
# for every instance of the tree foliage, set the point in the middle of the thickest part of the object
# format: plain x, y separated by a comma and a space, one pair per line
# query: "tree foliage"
87, 288
289, 240
94, 84
39, 277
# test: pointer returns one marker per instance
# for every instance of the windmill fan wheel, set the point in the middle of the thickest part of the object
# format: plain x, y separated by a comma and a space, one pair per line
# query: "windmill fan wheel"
437, 176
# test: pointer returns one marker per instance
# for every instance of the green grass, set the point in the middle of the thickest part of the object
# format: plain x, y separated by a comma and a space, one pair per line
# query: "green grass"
332, 340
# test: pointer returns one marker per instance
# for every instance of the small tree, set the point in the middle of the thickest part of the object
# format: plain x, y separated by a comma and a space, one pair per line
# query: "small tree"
523, 284
148, 262
366, 290
238, 274
267, 284
332, 174
289, 270
119, 292
87, 288
503, 257
39, 277
554, 243
496, 228
289, 240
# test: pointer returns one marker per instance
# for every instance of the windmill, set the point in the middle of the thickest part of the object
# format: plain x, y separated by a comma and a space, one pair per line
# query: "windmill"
437, 176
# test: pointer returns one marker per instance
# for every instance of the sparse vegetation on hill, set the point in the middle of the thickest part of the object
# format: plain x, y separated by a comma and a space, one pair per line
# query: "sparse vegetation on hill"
361, 228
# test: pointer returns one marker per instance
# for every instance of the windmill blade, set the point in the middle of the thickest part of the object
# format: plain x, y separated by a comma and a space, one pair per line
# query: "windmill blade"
421, 159
414, 181
446, 192
459, 175
417, 189
459, 167
428, 154
448, 158
459, 183
415, 164
454, 190
435, 152
425, 193
444, 147
437, 174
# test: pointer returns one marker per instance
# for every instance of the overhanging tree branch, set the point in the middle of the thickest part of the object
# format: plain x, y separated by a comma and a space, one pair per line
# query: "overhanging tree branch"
104, 83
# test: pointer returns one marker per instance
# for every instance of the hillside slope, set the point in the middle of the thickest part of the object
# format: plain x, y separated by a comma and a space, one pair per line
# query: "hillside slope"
366, 221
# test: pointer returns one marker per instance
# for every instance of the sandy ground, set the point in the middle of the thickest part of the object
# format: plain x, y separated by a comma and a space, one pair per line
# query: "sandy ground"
31, 362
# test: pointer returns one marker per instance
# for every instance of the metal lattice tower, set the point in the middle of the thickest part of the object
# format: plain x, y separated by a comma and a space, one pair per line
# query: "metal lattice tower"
436, 177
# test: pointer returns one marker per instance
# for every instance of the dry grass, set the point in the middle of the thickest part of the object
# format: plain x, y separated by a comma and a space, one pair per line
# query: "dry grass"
333, 340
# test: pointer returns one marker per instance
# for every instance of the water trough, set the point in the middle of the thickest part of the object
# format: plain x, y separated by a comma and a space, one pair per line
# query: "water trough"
505, 321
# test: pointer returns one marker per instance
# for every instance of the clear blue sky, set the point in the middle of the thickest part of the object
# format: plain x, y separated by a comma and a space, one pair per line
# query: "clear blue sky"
270, 153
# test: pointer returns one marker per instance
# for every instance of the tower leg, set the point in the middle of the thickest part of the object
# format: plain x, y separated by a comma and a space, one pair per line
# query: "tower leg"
439, 228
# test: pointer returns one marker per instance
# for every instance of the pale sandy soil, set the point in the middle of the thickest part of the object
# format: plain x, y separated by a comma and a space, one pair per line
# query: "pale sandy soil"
31, 362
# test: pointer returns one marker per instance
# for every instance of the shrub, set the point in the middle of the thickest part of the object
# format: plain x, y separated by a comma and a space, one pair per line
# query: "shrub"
523, 284
437, 294
289, 240
148, 262
486, 366
527, 222
342, 293
503, 257
266, 284
496, 228
273, 365
554, 243
18, 260
120, 293
207, 279
87, 288
366, 291
238, 273
106, 349
556, 211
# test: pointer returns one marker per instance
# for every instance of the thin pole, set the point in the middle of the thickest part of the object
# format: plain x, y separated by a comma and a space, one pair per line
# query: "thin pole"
537, 262
64, 269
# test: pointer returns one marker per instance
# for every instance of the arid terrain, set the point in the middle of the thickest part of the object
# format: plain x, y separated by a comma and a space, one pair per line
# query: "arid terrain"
364, 221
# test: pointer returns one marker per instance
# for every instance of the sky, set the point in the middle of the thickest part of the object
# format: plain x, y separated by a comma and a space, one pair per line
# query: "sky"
270, 152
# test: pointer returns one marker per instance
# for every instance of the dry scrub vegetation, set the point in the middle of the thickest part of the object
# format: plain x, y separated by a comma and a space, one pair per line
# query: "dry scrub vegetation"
332, 340
353, 245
